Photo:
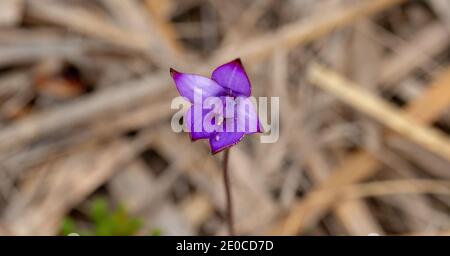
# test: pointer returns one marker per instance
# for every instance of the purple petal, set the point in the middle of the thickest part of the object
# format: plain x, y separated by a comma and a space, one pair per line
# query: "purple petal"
233, 78
223, 140
188, 84
192, 121
247, 116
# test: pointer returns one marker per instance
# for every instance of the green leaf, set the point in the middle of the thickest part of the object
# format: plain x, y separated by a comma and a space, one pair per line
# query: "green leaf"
68, 226
106, 222
99, 209
156, 232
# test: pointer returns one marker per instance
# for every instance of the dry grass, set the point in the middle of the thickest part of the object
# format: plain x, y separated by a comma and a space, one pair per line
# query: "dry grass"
364, 89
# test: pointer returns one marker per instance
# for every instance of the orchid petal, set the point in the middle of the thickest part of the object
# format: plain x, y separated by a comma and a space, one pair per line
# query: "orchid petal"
223, 140
190, 84
247, 116
228, 135
193, 121
233, 78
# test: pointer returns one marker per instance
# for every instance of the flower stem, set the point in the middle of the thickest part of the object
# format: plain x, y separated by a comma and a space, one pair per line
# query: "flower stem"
226, 179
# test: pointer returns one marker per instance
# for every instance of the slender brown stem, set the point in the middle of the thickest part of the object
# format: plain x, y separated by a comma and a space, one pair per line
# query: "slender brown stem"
226, 179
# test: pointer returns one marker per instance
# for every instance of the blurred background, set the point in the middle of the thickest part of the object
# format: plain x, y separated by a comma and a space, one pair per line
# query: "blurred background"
86, 145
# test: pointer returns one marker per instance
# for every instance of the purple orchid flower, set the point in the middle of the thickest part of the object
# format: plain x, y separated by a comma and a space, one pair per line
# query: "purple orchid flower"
232, 113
